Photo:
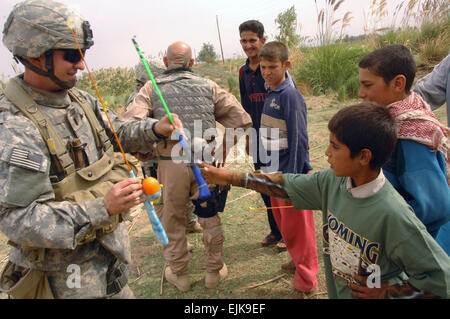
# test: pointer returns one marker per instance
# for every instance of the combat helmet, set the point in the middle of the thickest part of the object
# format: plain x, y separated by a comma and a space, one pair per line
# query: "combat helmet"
156, 66
35, 27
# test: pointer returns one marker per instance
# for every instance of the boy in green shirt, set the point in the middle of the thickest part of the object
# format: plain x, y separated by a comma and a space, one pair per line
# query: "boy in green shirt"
374, 245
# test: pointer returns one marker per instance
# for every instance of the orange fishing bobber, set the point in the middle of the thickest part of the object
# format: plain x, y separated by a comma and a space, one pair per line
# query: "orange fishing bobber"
151, 187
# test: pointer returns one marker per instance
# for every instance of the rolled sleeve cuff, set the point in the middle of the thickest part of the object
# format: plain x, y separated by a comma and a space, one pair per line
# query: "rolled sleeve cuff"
98, 214
150, 134
158, 136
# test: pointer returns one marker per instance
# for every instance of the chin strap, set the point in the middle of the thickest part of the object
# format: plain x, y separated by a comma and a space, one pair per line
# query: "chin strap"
50, 73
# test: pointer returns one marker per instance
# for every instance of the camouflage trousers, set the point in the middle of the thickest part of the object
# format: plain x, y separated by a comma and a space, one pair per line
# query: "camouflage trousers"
125, 293
191, 218
87, 280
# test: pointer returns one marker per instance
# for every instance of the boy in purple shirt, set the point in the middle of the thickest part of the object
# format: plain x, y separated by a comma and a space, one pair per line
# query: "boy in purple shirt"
253, 93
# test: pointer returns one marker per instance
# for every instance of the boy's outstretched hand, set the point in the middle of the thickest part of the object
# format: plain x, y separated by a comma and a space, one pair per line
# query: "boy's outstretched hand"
364, 292
214, 175
400, 290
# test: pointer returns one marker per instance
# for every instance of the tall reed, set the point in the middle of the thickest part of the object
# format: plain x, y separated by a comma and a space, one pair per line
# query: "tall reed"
421, 25
330, 65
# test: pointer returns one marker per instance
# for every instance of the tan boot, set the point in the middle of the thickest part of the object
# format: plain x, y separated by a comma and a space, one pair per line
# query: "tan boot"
182, 282
212, 279
190, 247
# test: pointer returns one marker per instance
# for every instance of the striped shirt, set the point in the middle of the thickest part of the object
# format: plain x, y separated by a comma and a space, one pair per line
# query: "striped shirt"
283, 129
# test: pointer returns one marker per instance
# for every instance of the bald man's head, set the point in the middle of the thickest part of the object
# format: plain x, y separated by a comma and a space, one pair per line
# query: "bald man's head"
179, 53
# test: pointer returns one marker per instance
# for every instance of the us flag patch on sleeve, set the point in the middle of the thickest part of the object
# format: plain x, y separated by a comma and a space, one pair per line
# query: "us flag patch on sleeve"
25, 159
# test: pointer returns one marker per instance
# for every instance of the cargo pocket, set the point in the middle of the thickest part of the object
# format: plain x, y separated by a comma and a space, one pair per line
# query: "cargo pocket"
23, 283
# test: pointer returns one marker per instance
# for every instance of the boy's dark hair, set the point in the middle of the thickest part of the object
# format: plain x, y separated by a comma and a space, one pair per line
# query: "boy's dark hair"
274, 50
366, 125
254, 26
390, 61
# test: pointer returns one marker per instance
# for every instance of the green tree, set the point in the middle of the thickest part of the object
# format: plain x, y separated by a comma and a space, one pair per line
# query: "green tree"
287, 24
207, 53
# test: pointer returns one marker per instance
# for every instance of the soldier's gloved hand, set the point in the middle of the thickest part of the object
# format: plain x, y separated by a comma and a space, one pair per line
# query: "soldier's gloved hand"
165, 128
124, 195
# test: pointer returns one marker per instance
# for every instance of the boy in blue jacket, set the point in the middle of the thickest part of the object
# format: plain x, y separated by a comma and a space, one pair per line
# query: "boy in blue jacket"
419, 168
285, 138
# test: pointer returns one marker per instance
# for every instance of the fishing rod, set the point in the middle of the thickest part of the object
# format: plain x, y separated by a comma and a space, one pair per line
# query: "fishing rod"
158, 229
266, 208
70, 23
204, 192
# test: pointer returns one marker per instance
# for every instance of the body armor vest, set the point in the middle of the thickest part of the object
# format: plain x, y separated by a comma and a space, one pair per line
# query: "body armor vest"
190, 97
80, 185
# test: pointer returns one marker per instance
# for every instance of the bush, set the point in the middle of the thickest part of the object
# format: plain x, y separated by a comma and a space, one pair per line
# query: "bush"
409, 38
332, 68
114, 84
434, 43
207, 53
233, 86
430, 41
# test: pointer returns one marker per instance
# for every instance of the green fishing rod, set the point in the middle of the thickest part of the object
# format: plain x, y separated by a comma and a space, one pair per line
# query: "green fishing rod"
204, 192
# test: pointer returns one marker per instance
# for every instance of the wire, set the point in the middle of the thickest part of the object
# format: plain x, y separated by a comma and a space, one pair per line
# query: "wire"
98, 94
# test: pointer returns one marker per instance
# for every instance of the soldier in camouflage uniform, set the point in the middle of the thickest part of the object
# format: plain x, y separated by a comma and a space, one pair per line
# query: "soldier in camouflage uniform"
195, 100
64, 189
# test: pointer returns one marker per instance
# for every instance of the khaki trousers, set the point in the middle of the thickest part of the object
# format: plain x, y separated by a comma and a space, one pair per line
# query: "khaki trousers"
179, 187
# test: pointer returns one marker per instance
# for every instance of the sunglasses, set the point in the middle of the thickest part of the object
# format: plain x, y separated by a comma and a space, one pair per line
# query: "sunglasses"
72, 55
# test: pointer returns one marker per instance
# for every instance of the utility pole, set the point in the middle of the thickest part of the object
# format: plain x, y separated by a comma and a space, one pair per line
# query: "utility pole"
220, 40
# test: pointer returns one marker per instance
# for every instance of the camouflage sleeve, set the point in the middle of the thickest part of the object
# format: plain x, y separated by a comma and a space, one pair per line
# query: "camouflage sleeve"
268, 184
29, 215
433, 87
135, 135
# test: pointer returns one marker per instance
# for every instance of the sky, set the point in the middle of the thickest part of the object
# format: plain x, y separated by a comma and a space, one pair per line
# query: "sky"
158, 23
